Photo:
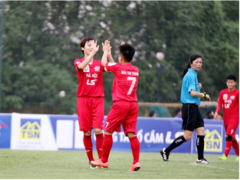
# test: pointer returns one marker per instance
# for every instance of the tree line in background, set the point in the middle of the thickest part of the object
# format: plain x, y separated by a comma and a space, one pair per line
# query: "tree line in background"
41, 41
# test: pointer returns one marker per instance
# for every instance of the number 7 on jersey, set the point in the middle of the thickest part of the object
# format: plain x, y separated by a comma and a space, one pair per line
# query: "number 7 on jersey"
133, 79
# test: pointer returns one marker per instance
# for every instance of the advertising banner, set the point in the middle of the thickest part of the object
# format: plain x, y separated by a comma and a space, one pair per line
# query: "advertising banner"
32, 132
153, 134
215, 140
5, 130
61, 132
66, 131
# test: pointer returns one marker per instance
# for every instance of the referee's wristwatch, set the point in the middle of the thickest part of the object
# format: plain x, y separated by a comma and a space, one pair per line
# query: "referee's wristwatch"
204, 94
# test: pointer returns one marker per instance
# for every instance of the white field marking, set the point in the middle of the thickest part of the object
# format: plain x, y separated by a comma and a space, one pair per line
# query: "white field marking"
196, 164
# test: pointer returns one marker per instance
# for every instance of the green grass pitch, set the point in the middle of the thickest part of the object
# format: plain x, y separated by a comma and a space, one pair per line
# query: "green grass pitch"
21, 164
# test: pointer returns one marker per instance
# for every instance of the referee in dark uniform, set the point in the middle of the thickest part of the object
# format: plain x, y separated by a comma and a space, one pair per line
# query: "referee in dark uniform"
192, 119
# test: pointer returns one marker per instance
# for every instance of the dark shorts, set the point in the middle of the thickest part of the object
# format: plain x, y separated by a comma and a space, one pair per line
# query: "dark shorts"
192, 119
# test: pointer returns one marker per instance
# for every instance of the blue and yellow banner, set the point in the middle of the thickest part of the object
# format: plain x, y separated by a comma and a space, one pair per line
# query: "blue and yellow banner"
61, 132
30, 129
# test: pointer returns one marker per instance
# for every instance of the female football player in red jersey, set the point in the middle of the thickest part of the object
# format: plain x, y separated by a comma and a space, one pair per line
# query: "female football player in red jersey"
124, 110
229, 99
90, 104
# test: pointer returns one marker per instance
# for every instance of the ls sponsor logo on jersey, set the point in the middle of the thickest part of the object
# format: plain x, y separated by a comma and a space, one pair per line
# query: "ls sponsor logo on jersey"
232, 97
86, 69
225, 96
213, 139
97, 68
30, 129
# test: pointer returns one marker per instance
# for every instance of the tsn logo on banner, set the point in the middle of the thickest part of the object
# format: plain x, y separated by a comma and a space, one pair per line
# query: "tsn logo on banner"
30, 129
213, 138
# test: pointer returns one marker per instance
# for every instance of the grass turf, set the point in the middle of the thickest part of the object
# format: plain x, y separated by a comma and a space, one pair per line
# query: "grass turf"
20, 164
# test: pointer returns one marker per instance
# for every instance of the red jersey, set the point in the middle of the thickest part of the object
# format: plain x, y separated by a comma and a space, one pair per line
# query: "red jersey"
90, 79
125, 81
230, 102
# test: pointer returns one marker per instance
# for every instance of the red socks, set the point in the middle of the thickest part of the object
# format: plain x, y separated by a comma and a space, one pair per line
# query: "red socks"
228, 148
135, 145
107, 146
99, 141
235, 147
87, 141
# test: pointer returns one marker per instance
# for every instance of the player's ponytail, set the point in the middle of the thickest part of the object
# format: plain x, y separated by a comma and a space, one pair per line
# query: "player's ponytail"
192, 58
185, 70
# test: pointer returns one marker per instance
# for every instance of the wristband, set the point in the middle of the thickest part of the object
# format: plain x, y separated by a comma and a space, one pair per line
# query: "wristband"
204, 94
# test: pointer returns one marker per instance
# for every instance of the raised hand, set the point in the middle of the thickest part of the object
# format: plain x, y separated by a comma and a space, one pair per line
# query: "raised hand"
106, 46
95, 46
122, 43
109, 52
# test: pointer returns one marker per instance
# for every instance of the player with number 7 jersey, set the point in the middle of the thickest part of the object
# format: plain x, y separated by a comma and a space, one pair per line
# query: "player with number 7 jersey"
124, 110
125, 81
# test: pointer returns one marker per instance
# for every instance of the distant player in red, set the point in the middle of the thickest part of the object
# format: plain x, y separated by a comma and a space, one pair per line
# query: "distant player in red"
229, 99
90, 104
124, 110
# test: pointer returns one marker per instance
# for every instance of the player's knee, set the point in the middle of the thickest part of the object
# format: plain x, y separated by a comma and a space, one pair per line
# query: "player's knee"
200, 131
108, 133
131, 134
97, 131
187, 137
229, 138
87, 133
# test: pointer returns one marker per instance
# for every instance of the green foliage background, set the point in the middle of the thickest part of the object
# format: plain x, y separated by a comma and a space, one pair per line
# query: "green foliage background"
41, 41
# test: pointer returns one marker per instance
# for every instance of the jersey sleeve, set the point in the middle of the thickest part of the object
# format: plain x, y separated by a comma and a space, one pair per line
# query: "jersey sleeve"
76, 63
237, 96
220, 102
111, 67
191, 84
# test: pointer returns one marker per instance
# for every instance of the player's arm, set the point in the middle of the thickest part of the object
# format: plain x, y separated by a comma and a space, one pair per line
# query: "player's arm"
106, 48
109, 56
219, 107
191, 87
197, 94
90, 56
200, 85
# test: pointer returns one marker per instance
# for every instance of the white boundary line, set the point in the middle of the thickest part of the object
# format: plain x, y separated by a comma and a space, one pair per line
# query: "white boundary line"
196, 164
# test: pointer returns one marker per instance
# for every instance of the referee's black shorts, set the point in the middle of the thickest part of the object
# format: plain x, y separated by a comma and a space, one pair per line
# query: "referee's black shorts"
192, 119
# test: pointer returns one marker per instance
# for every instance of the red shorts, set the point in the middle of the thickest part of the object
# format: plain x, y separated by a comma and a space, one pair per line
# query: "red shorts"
125, 113
90, 113
231, 129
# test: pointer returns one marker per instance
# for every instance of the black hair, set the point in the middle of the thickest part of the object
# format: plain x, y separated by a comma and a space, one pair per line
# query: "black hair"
192, 58
177, 110
209, 112
127, 51
83, 42
209, 115
231, 77
151, 113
